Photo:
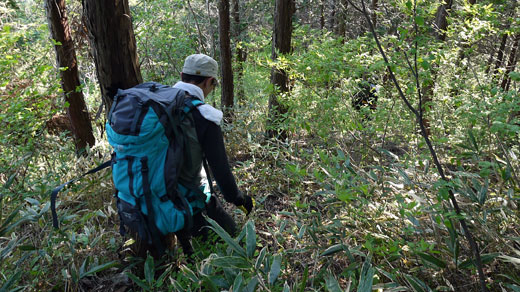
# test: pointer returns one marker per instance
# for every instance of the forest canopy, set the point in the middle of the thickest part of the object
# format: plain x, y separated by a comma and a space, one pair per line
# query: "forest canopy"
380, 140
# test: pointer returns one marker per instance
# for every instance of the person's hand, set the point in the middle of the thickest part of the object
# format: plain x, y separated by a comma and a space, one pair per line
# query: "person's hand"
247, 205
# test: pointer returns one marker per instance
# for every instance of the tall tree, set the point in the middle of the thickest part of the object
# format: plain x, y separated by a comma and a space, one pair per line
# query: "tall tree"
113, 46
66, 60
225, 59
341, 21
373, 8
282, 33
513, 59
240, 52
440, 26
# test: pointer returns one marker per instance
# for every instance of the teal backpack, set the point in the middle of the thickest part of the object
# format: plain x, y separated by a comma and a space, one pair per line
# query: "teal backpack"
146, 131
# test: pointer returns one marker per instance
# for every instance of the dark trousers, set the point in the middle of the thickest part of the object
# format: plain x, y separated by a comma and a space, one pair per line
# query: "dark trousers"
215, 211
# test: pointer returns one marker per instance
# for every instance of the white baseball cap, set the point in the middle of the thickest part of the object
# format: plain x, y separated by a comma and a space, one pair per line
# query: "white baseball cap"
201, 65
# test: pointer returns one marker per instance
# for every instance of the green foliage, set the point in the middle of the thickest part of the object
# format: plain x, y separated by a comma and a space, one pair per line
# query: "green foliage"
351, 201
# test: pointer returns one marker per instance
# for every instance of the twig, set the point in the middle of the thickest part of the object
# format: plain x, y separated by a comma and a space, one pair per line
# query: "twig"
473, 245
198, 28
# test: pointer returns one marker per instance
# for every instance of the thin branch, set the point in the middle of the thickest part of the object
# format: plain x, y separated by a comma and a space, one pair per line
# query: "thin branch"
418, 115
198, 28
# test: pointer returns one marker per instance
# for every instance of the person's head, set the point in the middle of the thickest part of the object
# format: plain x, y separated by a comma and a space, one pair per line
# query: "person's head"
200, 70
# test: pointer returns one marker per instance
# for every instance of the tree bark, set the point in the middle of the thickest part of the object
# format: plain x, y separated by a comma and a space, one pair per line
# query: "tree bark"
500, 55
332, 17
373, 8
441, 24
66, 61
322, 14
506, 81
240, 52
282, 34
341, 20
225, 59
113, 46
441, 20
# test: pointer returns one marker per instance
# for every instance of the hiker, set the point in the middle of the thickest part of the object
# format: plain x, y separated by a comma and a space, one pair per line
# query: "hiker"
162, 136
199, 79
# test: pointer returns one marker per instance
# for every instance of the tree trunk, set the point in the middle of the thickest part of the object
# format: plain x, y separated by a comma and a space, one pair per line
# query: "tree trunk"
332, 16
113, 46
500, 55
373, 8
441, 20
322, 14
241, 53
511, 64
66, 61
341, 20
441, 24
225, 59
282, 34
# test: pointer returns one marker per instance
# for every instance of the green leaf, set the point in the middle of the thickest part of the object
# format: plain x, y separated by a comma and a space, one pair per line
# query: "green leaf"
433, 260
100, 268
332, 284
515, 76
237, 284
208, 283
419, 20
513, 287
485, 259
417, 285
138, 281
84, 266
260, 258
367, 277
334, 249
230, 262
226, 237
275, 269
13, 279
286, 287
506, 258
149, 270
250, 238
251, 286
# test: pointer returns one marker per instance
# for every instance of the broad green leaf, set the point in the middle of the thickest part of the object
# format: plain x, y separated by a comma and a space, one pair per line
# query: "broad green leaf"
84, 266
333, 249
275, 269
513, 287
189, 274
433, 260
149, 270
209, 284
260, 258
485, 259
11, 281
237, 284
332, 284
286, 287
251, 286
508, 259
231, 262
100, 268
250, 238
367, 277
515, 76
417, 285
138, 281
226, 237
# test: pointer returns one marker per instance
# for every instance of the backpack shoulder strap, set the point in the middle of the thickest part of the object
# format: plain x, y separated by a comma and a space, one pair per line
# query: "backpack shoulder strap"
191, 103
